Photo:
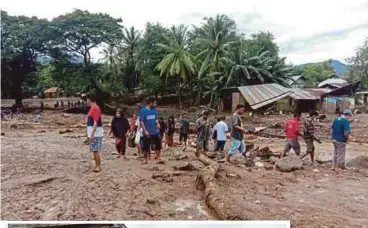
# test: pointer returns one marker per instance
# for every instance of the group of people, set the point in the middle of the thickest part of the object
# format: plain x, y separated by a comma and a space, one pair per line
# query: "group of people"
148, 131
340, 136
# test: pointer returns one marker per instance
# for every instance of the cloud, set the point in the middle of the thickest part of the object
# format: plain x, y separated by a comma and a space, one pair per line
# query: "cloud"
306, 31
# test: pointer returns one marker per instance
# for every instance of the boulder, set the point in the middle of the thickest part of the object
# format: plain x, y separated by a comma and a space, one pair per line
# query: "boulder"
289, 163
360, 162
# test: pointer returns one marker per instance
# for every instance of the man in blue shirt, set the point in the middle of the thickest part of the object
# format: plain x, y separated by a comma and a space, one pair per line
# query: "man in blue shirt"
340, 136
150, 125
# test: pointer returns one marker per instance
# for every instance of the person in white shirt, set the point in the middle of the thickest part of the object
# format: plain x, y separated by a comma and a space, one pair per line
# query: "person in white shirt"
221, 128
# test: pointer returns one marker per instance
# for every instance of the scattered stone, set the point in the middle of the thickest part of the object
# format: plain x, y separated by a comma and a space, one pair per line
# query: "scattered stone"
249, 162
289, 163
258, 202
233, 175
66, 115
360, 162
259, 164
156, 175
268, 167
168, 177
272, 160
151, 201
65, 131
315, 170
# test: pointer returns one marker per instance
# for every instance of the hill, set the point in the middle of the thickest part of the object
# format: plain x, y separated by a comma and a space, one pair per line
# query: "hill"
339, 67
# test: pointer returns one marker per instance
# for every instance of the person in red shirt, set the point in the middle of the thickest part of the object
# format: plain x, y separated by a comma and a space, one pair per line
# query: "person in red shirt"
292, 133
95, 131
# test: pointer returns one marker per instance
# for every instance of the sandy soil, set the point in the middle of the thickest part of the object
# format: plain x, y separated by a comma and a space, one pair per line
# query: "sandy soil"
47, 176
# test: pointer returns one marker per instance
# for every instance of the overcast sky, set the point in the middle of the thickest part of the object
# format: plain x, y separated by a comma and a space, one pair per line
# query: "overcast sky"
305, 30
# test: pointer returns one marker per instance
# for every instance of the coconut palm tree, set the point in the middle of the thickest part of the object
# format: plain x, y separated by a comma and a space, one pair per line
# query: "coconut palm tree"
178, 62
131, 38
216, 37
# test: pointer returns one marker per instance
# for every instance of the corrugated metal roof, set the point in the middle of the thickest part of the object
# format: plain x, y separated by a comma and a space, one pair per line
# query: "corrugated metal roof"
294, 79
318, 92
301, 94
261, 95
337, 82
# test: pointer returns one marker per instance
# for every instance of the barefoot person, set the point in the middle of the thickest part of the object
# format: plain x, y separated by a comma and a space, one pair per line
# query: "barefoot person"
149, 123
203, 133
237, 133
94, 131
292, 133
120, 129
340, 137
308, 134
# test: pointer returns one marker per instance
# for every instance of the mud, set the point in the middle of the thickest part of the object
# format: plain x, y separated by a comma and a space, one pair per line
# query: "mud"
47, 175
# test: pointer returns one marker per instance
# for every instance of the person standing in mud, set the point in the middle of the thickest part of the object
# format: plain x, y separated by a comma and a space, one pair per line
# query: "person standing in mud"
170, 131
221, 128
203, 133
120, 129
95, 131
162, 124
292, 132
149, 123
308, 134
340, 137
237, 134
184, 130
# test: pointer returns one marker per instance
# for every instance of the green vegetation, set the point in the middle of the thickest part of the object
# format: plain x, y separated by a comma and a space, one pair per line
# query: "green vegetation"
359, 65
191, 62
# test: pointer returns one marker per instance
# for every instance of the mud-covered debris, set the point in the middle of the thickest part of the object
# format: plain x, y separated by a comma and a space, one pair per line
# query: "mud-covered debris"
65, 131
268, 167
154, 168
360, 162
60, 123
211, 155
248, 162
151, 201
65, 115
3, 133
289, 163
41, 131
160, 162
250, 137
168, 177
185, 166
156, 175
13, 126
233, 175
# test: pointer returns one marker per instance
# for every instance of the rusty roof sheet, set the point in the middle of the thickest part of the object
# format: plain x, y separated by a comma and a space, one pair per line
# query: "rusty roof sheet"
260, 95
301, 94
318, 92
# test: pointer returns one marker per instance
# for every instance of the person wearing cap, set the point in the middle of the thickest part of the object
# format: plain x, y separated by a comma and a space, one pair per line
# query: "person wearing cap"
340, 136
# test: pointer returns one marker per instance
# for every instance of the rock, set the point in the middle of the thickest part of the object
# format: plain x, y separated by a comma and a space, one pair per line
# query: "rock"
114, 152
66, 115
268, 167
59, 123
249, 162
186, 166
258, 202
156, 175
272, 159
2, 133
259, 164
360, 162
168, 177
289, 163
151, 201
65, 131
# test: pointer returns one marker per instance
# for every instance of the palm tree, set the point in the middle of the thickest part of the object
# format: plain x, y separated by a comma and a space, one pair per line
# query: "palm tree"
131, 39
178, 62
216, 37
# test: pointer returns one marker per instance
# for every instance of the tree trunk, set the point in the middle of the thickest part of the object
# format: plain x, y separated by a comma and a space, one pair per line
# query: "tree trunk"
179, 95
199, 96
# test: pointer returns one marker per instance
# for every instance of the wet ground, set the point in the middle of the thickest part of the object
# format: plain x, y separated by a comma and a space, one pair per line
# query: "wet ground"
47, 176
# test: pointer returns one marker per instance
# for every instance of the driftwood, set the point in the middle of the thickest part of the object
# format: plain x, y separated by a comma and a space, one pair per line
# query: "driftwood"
213, 198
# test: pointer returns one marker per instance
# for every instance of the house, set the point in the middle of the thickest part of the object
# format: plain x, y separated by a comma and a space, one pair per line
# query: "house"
297, 81
53, 92
262, 96
332, 82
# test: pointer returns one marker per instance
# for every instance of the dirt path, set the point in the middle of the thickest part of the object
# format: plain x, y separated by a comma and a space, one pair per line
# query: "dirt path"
47, 176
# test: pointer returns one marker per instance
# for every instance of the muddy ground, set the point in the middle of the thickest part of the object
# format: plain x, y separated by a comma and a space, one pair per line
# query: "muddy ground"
47, 176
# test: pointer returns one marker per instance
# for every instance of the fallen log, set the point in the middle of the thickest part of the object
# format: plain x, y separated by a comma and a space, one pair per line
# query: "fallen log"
213, 198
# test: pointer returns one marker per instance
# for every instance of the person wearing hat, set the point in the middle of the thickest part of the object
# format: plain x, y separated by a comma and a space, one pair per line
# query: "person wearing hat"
340, 136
